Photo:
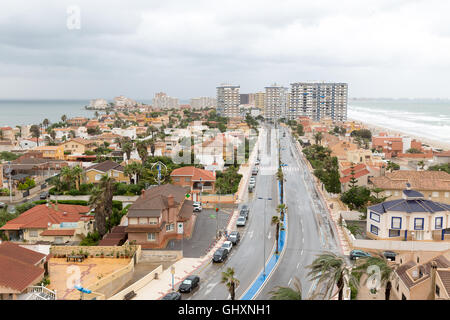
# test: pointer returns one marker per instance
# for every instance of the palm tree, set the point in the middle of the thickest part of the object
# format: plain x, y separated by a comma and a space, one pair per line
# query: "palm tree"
77, 174
127, 147
45, 123
277, 222
52, 134
331, 269
63, 118
1, 135
101, 201
286, 293
318, 137
282, 209
67, 176
35, 132
386, 271
141, 147
280, 177
230, 281
133, 169
421, 164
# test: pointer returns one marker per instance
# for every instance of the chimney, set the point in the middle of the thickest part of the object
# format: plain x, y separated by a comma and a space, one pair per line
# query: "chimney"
170, 200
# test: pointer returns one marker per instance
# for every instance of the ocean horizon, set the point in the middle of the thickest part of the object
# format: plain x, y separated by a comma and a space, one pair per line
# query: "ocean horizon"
428, 118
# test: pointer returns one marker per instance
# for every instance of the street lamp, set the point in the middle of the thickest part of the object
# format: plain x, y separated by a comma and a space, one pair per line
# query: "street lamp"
264, 235
172, 271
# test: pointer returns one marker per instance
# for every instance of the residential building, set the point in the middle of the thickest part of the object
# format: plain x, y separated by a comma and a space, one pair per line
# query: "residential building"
441, 158
410, 218
259, 100
7, 145
94, 173
203, 102
163, 101
244, 98
51, 152
123, 102
7, 133
275, 102
99, 104
78, 146
228, 100
318, 100
50, 223
434, 185
360, 172
77, 121
421, 276
20, 269
159, 215
197, 180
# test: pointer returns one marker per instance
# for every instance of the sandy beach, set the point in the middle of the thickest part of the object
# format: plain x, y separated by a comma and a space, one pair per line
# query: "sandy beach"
376, 129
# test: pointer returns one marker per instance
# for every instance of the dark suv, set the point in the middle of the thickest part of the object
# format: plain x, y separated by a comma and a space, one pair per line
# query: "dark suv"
172, 296
220, 255
189, 284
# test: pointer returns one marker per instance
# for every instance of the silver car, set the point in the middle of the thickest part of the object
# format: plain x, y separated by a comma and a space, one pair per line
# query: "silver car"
241, 221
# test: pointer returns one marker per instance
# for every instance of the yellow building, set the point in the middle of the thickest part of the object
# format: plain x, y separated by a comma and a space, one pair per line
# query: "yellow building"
51, 152
259, 100
116, 171
78, 146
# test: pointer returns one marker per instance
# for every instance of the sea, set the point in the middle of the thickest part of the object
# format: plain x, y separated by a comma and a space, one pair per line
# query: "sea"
419, 117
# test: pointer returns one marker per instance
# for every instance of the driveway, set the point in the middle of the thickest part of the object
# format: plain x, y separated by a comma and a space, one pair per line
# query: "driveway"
204, 234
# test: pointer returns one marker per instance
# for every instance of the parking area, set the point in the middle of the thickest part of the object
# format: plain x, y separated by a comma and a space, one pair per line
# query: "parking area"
204, 235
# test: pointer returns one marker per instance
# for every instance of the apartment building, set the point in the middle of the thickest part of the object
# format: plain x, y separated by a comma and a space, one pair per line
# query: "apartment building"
163, 101
228, 100
318, 100
275, 102
259, 100
203, 102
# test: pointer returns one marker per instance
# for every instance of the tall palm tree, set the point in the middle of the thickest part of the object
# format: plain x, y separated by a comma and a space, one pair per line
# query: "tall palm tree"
277, 222
101, 201
134, 169
67, 176
318, 137
386, 271
282, 209
330, 269
286, 293
230, 281
45, 123
35, 132
141, 147
127, 147
63, 118
280, 177
77, 174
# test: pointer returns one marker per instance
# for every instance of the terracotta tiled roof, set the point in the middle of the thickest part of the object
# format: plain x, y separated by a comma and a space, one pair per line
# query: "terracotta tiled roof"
105, 166
445, 278
443, 154
419, 180
62, 232
40, 216
356, 176
81, 141
17, 266
356, 168
194, 173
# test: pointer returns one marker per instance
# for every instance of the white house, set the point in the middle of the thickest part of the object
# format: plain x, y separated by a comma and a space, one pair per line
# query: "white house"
410, 218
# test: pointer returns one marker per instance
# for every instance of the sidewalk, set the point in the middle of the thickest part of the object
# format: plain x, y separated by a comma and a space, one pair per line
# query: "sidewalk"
158, 288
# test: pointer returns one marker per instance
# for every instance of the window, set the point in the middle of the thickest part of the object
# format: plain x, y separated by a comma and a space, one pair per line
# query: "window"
153, 220
387, 193
435, 194
447, 194
438, 223
394, 233
396, 223
33, 233
437, 290
374, 216
170, 227
187, 179
176, 179
143, 221
98, 177
395, 193
374, 229
151, 236
133, 220
418, 223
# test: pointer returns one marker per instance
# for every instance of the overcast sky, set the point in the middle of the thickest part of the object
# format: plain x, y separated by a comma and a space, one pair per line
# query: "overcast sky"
382, 48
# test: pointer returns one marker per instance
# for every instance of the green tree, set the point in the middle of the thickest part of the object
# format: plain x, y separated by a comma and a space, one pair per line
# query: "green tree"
286, 293
331, 270
230, 281
101, 200
318, 137
63, 118
276, 221
127, 147
35, 132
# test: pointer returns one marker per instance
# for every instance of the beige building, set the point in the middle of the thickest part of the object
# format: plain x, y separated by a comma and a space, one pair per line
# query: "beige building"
94, 173
78, 146
275, 102
434, 185
259, 100
228, 100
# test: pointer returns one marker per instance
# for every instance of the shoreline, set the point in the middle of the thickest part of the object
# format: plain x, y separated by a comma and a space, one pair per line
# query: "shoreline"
436, 144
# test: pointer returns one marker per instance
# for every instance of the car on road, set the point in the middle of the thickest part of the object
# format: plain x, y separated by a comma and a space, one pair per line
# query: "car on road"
172, 296
189, 284
245, 207
220, 255
44, 195
243, 213
241, 221
257, 162
254, 171
251, 188
234, 237
359, 254
389, 255
2, 204
227, 245
252, 179
197, 208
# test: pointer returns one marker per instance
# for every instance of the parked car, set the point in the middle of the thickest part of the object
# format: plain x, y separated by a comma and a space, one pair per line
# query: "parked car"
189, 284
245, 207
2, 204
243, 213
197, 208
254, 171
257, 162
252, 180
227, 245
389, 255
172, 296
251, 188
234, 237
220, 255
359, 254
44, 195
197, 203
11, 209
241, 221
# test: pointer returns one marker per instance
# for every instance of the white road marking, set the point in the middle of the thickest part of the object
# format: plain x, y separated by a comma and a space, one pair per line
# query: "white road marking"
270, 235
298, 264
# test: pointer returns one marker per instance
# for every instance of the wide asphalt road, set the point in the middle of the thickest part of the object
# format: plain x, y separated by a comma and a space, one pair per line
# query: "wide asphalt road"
247, 257
309, 230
